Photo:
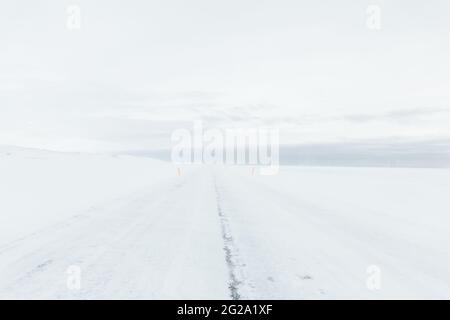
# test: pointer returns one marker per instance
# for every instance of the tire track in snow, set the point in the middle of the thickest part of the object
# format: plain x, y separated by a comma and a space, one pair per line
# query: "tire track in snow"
231, 253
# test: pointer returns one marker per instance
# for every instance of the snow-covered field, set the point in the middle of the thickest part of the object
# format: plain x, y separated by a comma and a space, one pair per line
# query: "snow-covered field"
135, 228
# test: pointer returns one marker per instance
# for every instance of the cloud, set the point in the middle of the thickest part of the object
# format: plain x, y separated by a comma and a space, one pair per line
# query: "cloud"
397, 115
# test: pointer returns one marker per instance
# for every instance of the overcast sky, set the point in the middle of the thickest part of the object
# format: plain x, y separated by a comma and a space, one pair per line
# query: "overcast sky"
136, 70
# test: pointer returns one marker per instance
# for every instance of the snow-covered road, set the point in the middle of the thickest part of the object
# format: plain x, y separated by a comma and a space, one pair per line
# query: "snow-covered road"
163, 242
221, 233
298, 241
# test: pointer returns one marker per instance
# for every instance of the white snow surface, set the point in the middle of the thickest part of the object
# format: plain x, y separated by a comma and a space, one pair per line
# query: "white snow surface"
137, 229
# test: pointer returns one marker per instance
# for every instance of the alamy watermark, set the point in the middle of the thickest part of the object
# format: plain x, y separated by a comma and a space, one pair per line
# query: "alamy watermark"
73, 20
73, 281
373, 17
373, 281
232, 146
